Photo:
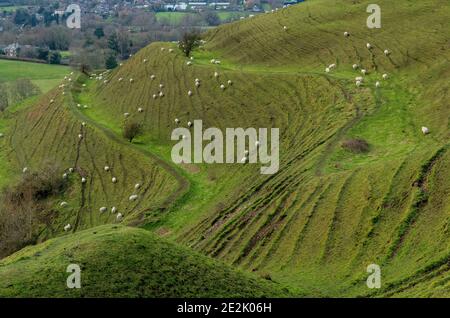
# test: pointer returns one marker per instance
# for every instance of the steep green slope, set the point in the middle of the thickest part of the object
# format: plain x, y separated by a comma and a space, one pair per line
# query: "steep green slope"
118, 261
328, 212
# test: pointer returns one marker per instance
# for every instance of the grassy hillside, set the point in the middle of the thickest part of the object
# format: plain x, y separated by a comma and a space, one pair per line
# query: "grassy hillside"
118, 261
328, 213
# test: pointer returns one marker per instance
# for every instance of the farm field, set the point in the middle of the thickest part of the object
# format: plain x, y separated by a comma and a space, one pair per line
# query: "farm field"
312, 228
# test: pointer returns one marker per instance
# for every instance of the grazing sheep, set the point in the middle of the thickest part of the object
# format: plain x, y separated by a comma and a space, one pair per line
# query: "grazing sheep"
170, 50
197, 84
85, 106
52, 101
197, 80
137, 186
358, 83
105, 81
285, 28
364, 71
217, 62
64, 176
189, 124
1, 135
332, 66
216, 74
359, 78
346, 34
71, 170
83, 124
355, 66
83, 180
103, 209
119, 217
106, 168
126, 114
230, 82
145, 60
385, 76
161, 85
213, 61
369, 46
155, 96
131, 80
386, 52
377, 84
222, 86
162, 49
161, 94
63, 204
80, 136
188, 63
113, 210
327, 70
152, 77
133, 197
177, 121
114, 180
189, 93
192, 58
425, 130
120, 79
67, 227
140, 110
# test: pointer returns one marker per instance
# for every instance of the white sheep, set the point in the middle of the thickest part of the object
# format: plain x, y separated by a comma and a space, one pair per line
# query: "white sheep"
140, 110
133, 197
106, 168
52, 101
120, 79
71, 170
161, 94
155, 96
83, 180
63, 204
80, 136
188, 63
119, 217
364, 71
358, 83
161, 85
369, 46
425, 130
346, 34
377, 84
359, 78
67, 227
197, 84
222, 86
170, 50
386, 52
189, 93
216, 74
145, 61
113, 210
189, 124
332, 66
137, 186
217, 62
230, 82
385, 76
114, 180
126, 114
355, 66
285, 28
64, 176
152, 77
327, 70
177, 121
131, 80
85, 106
103, 209
213, 61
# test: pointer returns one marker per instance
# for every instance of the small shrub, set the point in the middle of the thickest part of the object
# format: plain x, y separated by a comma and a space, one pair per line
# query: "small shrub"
189, 41
356, 145
131, 130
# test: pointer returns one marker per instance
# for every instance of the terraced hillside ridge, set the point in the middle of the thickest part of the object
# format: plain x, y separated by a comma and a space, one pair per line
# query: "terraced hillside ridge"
328, 213
107, 253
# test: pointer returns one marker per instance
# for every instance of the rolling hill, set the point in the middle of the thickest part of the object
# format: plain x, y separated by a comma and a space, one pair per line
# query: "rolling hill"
328, 213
